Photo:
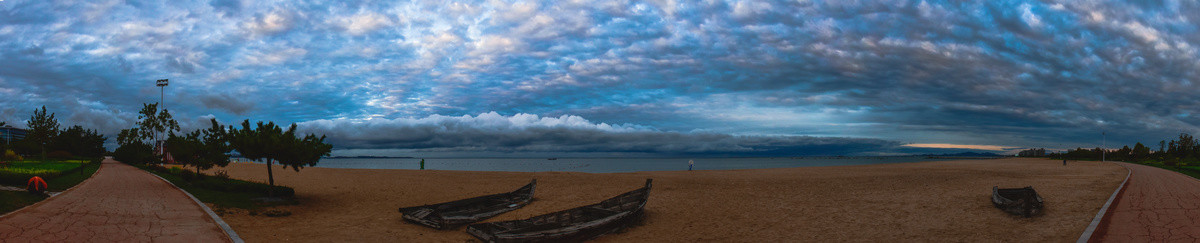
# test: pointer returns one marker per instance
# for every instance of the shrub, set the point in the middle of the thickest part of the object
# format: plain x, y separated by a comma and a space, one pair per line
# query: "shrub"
188, 175
222, 174
9, 155
1171, 162
277, 213
242, 186
158, 168
135, 154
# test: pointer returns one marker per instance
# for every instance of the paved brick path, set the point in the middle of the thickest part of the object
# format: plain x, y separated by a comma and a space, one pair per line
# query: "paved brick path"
1157, 206
119, 203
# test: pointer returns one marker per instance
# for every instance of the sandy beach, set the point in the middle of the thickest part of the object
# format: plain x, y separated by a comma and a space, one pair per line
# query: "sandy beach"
928, 201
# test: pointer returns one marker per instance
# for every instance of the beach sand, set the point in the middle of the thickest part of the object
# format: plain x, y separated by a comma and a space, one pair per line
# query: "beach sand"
928, 201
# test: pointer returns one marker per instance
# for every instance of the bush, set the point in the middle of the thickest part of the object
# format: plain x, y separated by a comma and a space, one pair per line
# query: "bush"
1171, 162
59, 155
135, 154
188, 175
242, 186
10, 155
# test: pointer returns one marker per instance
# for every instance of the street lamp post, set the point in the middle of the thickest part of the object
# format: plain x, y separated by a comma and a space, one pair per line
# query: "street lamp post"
162, 85
1104, 146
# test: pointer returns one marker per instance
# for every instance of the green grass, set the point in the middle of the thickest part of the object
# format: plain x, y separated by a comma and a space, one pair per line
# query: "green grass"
69, 180
202, 189
18, 173
36, 167
10, 200
1193, 171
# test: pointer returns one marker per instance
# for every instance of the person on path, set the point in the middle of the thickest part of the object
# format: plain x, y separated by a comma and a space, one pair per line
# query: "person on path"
36, 185
691, 164
1064, 162
422, 164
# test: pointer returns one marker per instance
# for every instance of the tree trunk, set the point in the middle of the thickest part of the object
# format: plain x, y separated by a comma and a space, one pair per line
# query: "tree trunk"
270, 180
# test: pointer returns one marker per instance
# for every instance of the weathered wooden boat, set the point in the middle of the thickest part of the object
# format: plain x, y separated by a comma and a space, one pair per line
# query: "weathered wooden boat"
453, 214
1020, 201
571, 225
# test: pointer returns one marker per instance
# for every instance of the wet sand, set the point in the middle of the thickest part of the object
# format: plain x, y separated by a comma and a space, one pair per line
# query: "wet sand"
928, 201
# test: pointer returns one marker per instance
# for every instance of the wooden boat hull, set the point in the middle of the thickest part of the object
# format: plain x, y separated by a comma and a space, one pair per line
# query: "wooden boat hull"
453, 214
577, 224
1020, 201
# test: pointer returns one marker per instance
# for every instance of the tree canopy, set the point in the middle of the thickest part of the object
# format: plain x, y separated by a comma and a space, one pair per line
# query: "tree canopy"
137, 143
42, 127
202, 149
153, 121
269, 142
1184, 149
79, 142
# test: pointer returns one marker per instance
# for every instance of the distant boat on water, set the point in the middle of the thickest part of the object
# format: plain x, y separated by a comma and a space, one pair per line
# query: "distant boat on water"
552, 159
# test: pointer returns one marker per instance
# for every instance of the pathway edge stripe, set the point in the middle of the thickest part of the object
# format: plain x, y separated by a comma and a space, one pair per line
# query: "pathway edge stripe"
63, 192
221, 223
1091, 229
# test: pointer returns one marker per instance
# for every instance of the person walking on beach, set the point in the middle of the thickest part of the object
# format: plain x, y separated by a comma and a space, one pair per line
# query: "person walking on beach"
691, 163
422, 164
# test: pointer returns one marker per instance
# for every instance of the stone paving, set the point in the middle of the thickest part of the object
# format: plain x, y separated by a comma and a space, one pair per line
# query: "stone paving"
119, 203
1157, 206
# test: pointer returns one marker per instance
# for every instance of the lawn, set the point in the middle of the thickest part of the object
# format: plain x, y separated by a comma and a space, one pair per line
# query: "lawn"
224, 192
1193, 171
13, 200
68, 180
38, 167
18, 173
10, 200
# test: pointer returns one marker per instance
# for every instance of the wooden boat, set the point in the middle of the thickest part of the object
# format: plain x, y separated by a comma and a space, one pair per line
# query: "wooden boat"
451, 215
576, 224
1020, 201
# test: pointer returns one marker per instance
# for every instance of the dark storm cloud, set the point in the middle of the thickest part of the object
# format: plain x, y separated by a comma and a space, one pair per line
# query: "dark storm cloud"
227, 102
1011, 73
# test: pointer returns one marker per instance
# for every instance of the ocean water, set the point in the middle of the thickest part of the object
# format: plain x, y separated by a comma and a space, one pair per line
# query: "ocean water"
607, 165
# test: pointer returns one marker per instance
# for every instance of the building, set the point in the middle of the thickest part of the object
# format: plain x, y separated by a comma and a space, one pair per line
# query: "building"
8, 134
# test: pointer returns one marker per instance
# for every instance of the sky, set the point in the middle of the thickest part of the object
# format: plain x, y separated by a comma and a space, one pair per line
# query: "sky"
620, 78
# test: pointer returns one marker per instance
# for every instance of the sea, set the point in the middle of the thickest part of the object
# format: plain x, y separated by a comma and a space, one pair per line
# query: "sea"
611, 165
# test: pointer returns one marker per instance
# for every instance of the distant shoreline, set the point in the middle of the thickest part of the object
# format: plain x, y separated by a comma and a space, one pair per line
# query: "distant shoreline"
368, 157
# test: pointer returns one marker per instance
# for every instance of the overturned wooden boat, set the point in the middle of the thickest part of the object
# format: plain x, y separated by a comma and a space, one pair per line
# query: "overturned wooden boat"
576, 224
451, 215
1020, 201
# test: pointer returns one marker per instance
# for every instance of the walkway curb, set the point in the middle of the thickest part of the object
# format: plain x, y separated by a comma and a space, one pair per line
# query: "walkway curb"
56, 195
1091, 229
221, 223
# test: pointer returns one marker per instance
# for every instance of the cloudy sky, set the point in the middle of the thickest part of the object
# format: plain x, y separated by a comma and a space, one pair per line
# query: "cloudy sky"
620, 77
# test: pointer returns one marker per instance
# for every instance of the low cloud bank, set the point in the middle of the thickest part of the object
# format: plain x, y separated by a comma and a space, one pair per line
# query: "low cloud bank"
526, 133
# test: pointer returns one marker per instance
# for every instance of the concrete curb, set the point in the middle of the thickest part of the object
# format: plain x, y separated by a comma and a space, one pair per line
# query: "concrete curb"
56, 195
221, 223
1091, 229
